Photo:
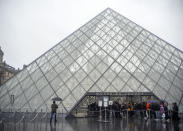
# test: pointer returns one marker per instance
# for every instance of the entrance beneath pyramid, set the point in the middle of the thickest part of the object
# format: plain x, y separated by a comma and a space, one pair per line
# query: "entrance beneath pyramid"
103, 103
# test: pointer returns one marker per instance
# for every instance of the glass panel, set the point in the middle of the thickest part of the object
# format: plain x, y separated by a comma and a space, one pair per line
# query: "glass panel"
80, 75
153, 54
31, 92
158, 67
35, 102
117, 83
168, 75
10, 84
26, 83
36, 75
102, 83
54, 61
46, 67
133, 84
94, 75
59, 67
95, 88
78, 92
31, 68
180, 73
21, 75
69, 102
150, 61
56, 83
142, 89
65, 75
130, 67
46, 92
16, 91
88, 67
124, 75
139, 75
95, 60
111, 88
178, 82
62, 54
176, 93
71, 83
149, 83
164, 83
81, 60
159, 92
5, 100
108, 60
74, 67
109, 75
162, 60
49, 54
63, 92
68, 61
41, 83
87, 83
166, 54
57, 48
126, 88
51, 75
102, 67
3, 90
42, 60
172, 67
154, 75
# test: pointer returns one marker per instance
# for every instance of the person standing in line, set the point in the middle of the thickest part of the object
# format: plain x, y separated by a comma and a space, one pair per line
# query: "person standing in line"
166, 111
53, 111
175, 112
162, 112
147, 110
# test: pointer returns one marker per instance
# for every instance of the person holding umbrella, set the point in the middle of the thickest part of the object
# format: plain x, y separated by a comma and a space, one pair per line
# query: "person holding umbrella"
53, 111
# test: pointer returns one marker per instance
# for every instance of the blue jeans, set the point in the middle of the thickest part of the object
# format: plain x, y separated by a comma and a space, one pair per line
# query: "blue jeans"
53, 113
157, 114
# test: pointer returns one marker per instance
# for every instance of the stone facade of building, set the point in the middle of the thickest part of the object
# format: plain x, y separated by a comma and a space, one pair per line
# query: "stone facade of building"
6, 71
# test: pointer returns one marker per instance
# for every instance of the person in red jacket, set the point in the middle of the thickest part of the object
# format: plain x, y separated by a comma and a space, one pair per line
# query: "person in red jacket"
147, 110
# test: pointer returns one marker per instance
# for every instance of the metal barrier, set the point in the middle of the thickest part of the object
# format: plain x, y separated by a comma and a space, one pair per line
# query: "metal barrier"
146, 114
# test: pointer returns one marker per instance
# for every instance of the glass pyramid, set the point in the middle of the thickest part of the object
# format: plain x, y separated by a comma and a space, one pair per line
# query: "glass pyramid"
110, 53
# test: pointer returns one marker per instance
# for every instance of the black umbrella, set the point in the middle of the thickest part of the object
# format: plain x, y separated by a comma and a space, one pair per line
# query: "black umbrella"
56, 99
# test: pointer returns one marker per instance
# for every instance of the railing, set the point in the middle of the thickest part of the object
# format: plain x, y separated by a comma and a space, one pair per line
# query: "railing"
125, 113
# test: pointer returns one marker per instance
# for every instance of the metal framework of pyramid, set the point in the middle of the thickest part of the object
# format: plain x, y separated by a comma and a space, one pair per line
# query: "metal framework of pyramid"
110, 53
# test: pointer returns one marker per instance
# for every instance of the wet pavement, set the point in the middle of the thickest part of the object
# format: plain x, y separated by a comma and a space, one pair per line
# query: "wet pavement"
91, 124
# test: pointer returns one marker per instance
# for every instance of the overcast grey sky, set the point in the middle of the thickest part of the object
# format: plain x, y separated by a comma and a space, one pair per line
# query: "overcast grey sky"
28, 28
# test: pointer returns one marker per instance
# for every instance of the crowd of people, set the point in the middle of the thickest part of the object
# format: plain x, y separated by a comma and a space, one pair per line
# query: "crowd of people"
146, 110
